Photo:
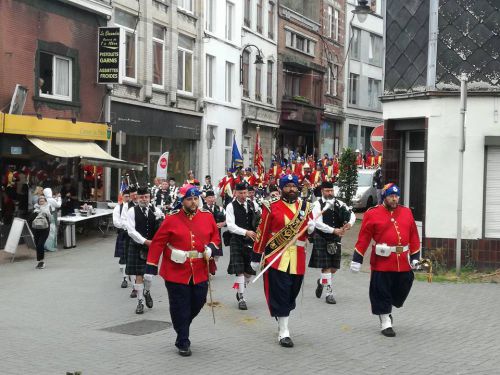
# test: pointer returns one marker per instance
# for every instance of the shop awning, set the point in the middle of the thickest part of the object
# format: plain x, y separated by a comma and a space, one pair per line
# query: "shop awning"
89, 152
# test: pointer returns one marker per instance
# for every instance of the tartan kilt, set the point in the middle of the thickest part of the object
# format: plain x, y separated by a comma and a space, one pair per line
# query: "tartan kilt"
120, 244
240, 256
135, 265
320, 257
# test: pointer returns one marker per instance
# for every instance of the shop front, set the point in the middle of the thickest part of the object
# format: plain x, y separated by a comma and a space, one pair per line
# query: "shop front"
143, 134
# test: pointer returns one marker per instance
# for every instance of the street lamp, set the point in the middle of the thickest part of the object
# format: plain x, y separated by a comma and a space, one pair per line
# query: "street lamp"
258, 59
362, 10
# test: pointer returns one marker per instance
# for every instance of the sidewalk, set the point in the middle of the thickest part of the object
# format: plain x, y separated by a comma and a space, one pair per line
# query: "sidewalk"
53, 321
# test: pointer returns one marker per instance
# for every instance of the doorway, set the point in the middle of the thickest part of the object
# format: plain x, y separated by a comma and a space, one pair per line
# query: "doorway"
414, 182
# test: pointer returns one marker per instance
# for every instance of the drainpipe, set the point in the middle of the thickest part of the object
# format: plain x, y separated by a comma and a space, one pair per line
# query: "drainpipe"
461, 150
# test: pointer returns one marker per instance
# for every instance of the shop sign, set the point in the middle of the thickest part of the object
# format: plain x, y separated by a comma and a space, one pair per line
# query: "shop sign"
16, 150
110, 48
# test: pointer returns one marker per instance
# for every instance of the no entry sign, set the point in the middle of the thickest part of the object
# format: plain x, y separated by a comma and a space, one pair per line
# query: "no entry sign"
377, 139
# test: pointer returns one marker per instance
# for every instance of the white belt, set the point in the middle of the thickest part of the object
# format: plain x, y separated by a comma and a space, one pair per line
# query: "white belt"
385, 251
189, 253
300, 243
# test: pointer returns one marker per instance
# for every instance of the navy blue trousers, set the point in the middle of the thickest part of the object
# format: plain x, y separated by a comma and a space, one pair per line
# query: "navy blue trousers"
389, 289
281, 290
185, 301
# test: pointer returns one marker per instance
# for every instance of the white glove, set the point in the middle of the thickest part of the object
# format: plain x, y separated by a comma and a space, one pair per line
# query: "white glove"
148, 277
159, 215
311, 225
355, 267
208, 252
178, 256
255, 266
414, 264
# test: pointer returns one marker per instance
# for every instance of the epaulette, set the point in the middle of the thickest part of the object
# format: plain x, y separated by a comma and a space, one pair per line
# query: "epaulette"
173, 212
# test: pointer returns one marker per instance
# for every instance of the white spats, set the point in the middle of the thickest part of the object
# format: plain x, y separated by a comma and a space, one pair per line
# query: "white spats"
240, 281
122, 270
283, 327
326, 278
385, 321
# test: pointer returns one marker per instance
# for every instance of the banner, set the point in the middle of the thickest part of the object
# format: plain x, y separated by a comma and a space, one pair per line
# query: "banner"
162, 166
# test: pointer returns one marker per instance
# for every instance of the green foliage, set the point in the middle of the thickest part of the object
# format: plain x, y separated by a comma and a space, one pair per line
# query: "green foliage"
348, 176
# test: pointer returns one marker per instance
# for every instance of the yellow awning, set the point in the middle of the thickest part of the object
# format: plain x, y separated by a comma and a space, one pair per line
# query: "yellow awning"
89, 152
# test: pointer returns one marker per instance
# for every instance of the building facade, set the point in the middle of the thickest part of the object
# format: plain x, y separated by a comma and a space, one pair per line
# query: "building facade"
363, 76
429, 46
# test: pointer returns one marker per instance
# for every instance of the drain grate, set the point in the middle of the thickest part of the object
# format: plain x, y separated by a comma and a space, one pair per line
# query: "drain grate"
140, 327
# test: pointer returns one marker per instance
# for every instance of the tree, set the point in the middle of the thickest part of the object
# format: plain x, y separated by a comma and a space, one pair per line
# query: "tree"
348, 176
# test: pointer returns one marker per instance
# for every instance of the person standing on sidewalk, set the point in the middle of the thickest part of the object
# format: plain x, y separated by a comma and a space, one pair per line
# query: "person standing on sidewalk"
330, 227
41, 227
240, 222
186, 241
142, 224
132, 202
282, 219
121, 236
395, 254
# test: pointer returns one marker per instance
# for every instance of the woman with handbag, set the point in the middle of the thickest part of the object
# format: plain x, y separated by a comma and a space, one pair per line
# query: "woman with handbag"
41, 227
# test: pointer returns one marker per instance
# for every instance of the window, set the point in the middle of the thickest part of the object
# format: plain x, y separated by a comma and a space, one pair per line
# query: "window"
229, 20
209, 76
353, 137
246, 13
229, 81
55, 76
258, 80
185, 64
375, 50
292, 85
331, 87
333, 23
158, 48
270, 21
246, 73
229, 146
353, 88
186, 5
259, 16
355, 43
299, 42
210, 13
373, 93
270, 82
129, 23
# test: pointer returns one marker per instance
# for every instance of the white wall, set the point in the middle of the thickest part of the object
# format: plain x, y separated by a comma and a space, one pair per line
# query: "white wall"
442, 159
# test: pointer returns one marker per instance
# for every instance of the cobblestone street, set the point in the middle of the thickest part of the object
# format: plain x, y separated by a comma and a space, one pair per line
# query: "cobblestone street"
53, 321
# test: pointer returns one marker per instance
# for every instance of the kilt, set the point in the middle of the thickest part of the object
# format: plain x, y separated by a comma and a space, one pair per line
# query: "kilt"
240, 256
120, 245
135, 265
320, 257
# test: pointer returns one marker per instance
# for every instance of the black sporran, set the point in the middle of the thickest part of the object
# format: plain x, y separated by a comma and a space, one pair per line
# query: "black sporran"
331, 248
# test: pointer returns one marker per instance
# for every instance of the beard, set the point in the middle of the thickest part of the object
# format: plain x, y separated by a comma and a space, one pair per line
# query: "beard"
143, 204
290, 196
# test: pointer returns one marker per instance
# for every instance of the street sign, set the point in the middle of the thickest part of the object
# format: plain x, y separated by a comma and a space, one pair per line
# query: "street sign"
377, 139
162, 166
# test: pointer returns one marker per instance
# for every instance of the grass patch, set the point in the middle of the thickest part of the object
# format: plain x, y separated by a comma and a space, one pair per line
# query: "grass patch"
467, 275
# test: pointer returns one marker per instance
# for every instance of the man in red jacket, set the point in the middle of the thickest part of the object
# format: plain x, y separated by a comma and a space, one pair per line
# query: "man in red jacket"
395, 254
186, 239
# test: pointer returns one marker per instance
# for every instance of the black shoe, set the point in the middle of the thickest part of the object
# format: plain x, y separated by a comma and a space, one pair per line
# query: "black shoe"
286, 342
330, 299
185, 352
242, 305
149, 299
133, 293
124, 283
388, 332
40, 265
140, 308
319, 289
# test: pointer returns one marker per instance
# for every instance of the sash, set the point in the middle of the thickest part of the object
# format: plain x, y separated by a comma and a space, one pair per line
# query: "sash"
283, 237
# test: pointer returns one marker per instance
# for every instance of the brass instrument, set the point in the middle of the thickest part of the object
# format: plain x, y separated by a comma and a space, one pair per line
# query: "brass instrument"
426, 263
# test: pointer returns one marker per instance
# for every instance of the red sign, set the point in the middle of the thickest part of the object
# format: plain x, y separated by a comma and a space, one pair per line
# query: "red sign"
163, 163
377, 139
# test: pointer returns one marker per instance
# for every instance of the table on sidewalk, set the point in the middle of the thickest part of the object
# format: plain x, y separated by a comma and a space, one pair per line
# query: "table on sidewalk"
69, 223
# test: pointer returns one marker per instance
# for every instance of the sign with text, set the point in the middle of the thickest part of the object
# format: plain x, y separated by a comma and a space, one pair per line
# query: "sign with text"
162, 166
108, 55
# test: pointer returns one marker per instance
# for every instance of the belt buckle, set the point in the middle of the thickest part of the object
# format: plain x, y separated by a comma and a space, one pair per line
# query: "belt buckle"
192, 254
399, 249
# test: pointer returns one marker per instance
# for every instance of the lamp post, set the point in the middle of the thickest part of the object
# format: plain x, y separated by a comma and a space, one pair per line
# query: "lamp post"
362, 10
258, 59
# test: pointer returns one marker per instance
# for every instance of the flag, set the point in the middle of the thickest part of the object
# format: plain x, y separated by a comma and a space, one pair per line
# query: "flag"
237, 160
258, 159
123, 186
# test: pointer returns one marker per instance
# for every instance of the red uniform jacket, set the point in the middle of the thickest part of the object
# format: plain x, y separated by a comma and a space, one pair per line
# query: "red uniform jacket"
226, 185
394, 228
298, 169
183, 233
316, 178
275, 171
274, 217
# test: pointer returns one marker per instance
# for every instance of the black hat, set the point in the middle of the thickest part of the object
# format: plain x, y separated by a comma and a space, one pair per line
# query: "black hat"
251, 188
126, 191
142, 191
241, 186
327, 185
171, 178
273, 188
209, 193
208, 176
132, 189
